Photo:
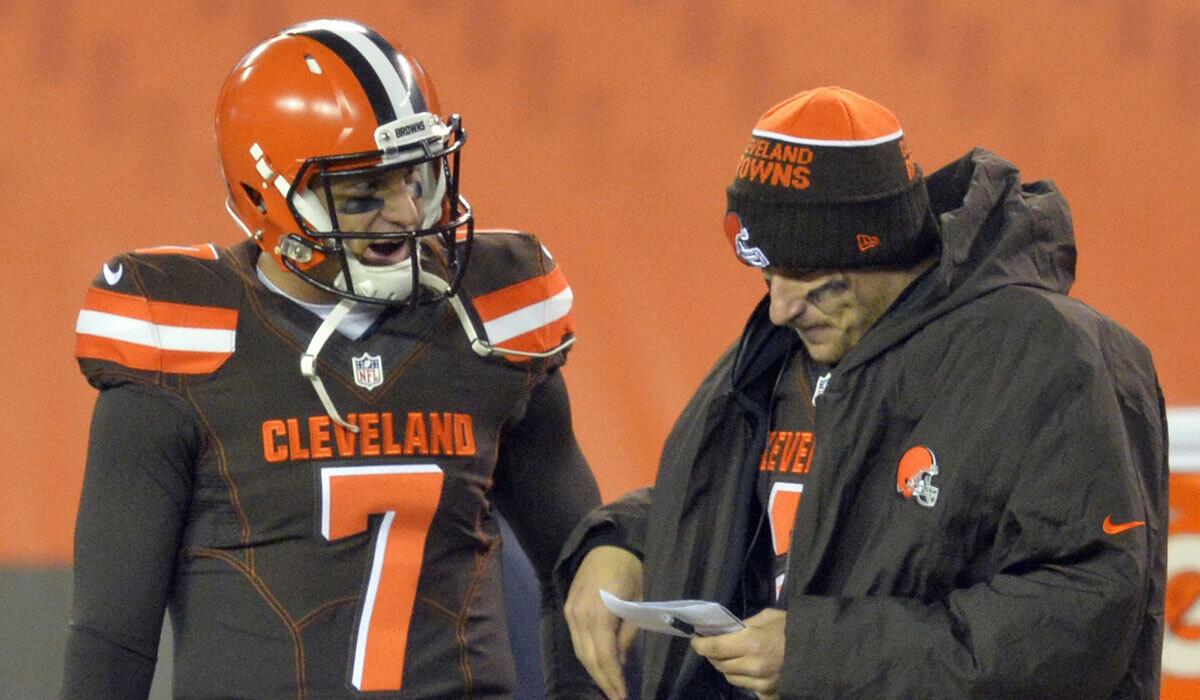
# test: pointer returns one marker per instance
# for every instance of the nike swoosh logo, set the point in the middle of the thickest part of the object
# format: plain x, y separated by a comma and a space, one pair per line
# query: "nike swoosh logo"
113, 276
1112, 528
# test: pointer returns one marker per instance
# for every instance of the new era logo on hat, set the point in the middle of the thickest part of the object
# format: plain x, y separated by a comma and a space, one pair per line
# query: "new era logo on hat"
866, 242
827, 182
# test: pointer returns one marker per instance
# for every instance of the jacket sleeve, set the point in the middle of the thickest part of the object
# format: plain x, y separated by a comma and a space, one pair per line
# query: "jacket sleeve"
1056, 599
543, 487
135, 496
625, 522
621, 523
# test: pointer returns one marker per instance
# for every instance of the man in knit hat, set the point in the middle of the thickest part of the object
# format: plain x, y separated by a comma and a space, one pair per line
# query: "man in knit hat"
923, 470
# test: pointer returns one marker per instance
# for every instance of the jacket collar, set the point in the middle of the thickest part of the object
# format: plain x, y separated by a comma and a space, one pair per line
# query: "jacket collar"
763, 349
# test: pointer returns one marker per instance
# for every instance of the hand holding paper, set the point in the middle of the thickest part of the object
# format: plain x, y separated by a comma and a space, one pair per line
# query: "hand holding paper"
681, 618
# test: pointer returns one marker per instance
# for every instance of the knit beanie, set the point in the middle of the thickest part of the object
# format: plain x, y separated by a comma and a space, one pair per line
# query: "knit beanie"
827, 182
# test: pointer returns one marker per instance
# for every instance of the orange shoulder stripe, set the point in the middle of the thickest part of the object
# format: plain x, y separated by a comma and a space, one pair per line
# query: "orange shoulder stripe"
540, 339
203, 251
154, 336
504, 301
163, 313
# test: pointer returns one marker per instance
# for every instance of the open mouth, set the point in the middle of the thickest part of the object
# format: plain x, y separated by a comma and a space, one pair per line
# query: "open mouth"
384, 253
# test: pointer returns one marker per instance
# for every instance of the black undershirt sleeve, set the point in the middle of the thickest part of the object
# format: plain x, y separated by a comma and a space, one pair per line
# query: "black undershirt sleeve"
544, 487
136, 488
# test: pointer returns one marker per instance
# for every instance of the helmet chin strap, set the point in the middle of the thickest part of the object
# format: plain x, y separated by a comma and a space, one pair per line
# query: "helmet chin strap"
391, 282
481, 347
308, 361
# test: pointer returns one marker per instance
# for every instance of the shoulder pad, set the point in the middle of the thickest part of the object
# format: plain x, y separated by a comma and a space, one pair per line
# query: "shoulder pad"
168, 310
521, 295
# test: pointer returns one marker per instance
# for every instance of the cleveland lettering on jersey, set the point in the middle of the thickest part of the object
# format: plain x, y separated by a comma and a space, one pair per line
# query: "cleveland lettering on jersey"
414, 433
787, 451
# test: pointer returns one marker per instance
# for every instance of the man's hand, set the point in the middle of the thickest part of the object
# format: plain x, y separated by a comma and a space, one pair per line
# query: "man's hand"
600, 638
751, 658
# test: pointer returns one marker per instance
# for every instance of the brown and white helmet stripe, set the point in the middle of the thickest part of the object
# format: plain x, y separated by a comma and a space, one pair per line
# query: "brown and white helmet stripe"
391, 86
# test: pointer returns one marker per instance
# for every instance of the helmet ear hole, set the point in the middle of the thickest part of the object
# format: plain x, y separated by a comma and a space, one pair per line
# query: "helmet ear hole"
255, 197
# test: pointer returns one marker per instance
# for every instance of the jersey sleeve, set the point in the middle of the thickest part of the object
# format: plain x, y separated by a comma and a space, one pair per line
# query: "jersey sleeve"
544, 487
157, 313
135, 495
521, 296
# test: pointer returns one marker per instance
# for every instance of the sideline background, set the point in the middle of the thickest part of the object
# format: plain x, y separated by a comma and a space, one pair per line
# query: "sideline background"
610, 128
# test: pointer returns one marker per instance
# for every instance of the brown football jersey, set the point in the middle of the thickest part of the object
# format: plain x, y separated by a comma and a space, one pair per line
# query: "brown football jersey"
313, 560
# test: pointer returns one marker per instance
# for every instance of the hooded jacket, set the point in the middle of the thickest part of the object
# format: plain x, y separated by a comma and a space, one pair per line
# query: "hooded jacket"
1038, 569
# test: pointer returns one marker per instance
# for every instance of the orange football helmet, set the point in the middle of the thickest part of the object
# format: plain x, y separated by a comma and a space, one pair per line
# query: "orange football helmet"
332, 98
914, 476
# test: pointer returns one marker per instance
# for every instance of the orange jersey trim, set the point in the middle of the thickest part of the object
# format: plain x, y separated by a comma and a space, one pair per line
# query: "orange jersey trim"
160, 312
540, 339
518, 296
154, 336
202, 251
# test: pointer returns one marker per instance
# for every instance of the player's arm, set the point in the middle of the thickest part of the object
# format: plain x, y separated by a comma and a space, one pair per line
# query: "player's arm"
601, 555
543, 487
135, 495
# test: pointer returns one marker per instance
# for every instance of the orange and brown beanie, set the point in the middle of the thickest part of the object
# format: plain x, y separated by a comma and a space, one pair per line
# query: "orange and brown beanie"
827, 182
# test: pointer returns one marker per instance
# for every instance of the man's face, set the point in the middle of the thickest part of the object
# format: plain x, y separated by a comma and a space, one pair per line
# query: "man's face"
384, 202
830, 310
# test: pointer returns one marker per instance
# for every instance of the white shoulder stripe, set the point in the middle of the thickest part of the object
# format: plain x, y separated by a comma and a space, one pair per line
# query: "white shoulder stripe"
837, 143
138, 332
530, 318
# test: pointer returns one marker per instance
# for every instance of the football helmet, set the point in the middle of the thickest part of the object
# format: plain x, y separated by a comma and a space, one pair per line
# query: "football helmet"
914, 476
332, 99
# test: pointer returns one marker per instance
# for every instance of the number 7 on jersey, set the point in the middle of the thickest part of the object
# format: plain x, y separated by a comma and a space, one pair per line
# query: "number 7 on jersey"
407, 496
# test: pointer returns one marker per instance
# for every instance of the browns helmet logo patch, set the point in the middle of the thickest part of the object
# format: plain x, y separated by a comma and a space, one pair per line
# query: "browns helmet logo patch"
914, 477
740, 238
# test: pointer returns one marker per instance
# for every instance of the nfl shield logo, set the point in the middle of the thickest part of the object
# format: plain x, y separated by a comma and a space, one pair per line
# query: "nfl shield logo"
368, 370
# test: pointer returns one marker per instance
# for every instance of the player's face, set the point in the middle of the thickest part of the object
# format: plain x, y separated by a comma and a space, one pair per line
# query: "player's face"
384, 202
829, 310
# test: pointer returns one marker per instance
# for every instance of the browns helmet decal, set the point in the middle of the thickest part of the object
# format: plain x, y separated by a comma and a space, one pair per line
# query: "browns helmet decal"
914, 476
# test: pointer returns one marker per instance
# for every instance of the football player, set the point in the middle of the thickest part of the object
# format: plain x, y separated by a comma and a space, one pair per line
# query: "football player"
299, 441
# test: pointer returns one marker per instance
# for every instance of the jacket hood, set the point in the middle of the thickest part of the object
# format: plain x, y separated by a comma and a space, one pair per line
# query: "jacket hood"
995, 232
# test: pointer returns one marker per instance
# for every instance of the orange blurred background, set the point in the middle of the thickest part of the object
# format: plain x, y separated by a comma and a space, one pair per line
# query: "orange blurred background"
609, 128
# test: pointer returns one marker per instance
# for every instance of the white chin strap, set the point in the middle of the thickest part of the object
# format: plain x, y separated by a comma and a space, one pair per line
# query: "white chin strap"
481, 347
391, 282
308, 361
